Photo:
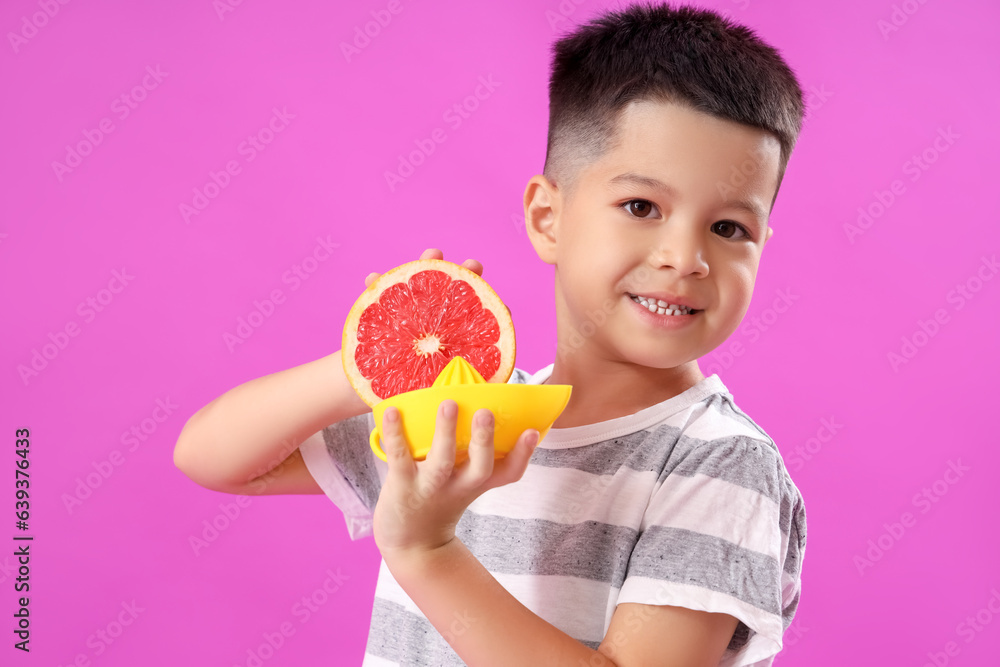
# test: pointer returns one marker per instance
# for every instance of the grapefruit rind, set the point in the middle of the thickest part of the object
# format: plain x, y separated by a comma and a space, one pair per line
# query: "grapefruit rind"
402, 274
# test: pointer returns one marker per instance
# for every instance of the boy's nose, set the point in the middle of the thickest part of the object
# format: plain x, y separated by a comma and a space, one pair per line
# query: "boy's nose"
682, 250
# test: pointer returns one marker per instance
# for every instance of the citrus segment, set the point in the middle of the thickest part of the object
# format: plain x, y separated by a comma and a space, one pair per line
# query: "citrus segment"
414, 319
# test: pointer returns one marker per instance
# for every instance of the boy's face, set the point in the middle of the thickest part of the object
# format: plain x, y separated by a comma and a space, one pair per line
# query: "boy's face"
615, 236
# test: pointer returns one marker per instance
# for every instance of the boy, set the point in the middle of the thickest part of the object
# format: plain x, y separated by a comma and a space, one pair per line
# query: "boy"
656, 524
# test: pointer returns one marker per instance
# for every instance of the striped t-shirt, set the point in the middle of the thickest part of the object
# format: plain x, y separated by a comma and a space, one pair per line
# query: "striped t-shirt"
685, 503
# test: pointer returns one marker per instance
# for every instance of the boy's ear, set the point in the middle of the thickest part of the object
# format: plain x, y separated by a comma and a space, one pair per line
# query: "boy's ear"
542, 203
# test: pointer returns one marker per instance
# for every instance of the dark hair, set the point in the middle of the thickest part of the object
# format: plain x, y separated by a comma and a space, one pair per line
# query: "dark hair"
685, 55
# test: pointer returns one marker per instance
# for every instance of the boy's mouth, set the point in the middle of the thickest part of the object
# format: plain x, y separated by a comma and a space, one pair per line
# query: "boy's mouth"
662, 307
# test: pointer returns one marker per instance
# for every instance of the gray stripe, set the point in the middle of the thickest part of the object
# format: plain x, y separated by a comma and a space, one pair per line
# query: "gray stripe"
747, 462
669, 554
793, 522
665, 449
519, 377
741, 635
792, 508
737, 459
609, 456
606, 553
687, 557
755, 465
588, 550
347, 442
407, 639
410, 640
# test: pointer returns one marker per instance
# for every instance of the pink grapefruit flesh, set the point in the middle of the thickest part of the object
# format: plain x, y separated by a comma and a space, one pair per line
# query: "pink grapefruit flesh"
413, 319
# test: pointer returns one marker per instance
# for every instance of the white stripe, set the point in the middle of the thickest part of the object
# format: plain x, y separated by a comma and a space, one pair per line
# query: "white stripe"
789, 587
767, 641
558, 599
675, 410
678, 504
570, 496
319, 464
713, 425
561, 600
375, 661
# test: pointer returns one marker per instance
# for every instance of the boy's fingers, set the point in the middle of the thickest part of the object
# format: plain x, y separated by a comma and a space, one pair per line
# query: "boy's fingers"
480, 466
442, 454
474, 266
430, 253
397, 451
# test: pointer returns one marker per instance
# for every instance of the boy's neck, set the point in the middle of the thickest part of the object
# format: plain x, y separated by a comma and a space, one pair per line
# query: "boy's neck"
609, 391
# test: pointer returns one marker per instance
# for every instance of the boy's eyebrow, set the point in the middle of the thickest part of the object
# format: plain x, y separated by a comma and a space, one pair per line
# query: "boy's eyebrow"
750, 206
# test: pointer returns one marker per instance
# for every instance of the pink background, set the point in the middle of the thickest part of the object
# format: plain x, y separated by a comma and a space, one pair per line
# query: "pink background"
876, 102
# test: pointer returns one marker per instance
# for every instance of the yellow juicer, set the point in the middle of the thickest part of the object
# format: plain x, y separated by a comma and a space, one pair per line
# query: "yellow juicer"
515, 407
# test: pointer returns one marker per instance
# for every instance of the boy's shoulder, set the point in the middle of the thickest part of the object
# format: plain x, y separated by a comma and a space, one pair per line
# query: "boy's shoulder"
706, 411
702, 429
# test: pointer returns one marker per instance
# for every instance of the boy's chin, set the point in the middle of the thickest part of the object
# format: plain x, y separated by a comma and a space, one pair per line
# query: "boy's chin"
655, 357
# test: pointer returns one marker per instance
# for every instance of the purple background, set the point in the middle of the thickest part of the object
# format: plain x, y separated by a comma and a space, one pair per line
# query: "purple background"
878, 101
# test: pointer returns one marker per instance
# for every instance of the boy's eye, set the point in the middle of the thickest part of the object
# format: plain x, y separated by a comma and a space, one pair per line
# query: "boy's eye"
729, 224
638, 208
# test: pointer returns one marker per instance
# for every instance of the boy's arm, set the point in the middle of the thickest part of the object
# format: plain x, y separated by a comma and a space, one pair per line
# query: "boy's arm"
486, 625
414, 526
246, 441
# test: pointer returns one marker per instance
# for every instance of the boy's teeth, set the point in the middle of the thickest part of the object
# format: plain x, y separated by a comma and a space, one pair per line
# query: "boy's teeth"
660, 306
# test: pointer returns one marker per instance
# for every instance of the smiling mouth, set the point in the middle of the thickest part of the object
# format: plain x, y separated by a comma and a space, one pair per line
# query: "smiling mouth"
662, 307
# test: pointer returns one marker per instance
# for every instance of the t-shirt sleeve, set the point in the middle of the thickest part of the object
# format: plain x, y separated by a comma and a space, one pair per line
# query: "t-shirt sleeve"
341, 461
725, 531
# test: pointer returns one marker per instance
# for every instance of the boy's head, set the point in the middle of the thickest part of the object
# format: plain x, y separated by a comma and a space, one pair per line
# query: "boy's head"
682, 97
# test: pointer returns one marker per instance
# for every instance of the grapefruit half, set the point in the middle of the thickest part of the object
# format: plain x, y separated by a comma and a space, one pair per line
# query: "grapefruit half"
413, 319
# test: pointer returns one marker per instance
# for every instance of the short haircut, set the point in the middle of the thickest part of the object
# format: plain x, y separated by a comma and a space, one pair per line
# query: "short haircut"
652, 51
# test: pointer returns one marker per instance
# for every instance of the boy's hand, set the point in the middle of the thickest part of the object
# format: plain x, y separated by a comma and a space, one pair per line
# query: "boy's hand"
421, 501
434, 253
